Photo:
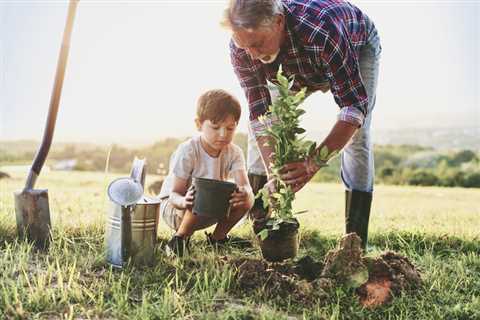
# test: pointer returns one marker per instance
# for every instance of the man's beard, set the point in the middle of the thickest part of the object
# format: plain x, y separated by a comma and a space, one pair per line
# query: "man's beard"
269, 58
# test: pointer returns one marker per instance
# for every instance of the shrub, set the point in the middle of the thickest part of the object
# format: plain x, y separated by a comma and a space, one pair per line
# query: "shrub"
423, 178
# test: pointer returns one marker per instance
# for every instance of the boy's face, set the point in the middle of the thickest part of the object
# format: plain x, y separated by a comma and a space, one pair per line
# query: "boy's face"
217, 135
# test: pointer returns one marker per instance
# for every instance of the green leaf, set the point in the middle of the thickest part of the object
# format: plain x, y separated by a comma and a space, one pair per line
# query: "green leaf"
299, 130
324, 152
311, 148
281, 79
299, 112
263, 234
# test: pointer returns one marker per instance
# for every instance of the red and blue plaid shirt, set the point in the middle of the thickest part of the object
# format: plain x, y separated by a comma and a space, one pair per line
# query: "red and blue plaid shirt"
321, 50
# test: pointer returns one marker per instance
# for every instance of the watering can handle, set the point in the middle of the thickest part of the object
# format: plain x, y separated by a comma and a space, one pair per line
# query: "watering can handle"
54, 99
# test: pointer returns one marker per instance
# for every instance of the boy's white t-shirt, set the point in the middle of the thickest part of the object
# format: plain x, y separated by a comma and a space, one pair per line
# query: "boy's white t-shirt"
190, 160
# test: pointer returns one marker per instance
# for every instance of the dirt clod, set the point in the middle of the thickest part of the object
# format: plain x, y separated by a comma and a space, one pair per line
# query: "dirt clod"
375, 292
344, 264
389, 275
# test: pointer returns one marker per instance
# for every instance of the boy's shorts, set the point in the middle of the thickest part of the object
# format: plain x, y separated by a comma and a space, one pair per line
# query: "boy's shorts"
173, 217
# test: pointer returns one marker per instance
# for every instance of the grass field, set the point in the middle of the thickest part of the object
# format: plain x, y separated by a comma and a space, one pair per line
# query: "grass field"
436, 228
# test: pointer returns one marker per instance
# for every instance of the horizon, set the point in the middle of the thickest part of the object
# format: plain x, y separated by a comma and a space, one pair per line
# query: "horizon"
439, 138
117, 82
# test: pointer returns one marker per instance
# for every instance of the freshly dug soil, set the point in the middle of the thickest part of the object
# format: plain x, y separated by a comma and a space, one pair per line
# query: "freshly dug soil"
345, 264
307, 281
278, 279
389, 275
307, 268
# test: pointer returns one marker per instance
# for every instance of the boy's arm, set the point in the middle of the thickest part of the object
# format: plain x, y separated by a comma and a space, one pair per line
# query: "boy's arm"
244, 195
179, 197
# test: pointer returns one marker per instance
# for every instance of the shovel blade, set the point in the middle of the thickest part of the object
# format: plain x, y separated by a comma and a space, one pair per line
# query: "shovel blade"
33, 217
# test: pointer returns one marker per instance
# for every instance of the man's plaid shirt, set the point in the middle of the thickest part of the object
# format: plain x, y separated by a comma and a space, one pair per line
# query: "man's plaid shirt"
321, 49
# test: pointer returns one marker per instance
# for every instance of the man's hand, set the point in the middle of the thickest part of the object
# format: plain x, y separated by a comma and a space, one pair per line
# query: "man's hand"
297, 174
241, 197
187, 202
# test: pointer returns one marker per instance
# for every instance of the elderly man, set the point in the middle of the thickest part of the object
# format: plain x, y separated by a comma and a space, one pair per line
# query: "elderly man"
327, 45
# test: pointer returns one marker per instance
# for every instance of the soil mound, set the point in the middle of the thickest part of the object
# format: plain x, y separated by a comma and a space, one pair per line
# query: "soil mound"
389, 275
285, 279
344, 264
307, 281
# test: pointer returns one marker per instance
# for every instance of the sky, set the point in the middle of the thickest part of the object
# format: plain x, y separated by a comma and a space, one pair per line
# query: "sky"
135, 69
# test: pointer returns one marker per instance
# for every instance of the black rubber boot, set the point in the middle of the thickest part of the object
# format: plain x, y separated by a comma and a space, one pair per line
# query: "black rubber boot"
357, 213
258, 212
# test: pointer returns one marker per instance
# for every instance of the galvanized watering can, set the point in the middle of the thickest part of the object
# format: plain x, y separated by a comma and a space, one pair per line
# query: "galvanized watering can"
131, 231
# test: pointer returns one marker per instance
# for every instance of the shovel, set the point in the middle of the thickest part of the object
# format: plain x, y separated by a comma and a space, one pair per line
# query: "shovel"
31, 205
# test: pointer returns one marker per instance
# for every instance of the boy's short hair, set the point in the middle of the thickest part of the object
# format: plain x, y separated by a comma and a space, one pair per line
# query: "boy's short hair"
215, 105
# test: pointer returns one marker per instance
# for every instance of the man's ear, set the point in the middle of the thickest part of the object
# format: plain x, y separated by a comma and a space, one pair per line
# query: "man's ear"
280, 21
198, 123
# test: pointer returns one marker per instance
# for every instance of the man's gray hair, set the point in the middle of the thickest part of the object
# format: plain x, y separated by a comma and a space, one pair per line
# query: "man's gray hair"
251, 14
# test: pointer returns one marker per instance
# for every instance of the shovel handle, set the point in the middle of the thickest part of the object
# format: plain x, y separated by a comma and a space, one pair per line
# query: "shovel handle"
54, 99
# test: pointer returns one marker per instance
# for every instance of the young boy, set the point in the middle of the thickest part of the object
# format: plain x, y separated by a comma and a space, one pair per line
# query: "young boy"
209, 155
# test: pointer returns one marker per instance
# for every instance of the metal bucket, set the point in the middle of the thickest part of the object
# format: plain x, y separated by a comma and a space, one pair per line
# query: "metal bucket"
131, 232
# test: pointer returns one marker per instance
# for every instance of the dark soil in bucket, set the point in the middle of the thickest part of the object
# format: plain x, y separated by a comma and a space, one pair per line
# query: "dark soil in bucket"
376, 279
280, 244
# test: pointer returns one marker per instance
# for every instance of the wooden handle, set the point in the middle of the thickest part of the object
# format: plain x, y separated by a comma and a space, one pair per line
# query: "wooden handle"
54, 99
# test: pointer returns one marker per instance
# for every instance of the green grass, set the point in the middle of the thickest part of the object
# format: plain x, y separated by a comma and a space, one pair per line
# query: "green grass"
436, 228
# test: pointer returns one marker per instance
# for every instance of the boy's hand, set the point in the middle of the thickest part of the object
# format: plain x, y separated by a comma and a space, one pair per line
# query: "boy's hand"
189, 198
239, 197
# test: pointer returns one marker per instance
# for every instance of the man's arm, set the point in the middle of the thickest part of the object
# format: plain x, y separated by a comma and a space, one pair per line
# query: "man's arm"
335, 53
297, 174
